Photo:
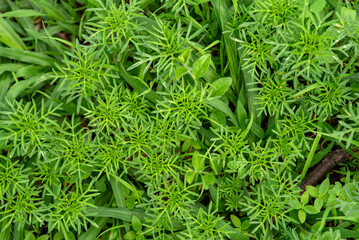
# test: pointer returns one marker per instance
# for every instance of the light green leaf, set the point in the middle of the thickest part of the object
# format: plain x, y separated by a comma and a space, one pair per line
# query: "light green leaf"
324, 187
190, 175
201, 65
130, 236
9, 37
348, 14
313, 191
304, 198
233, 165
310, 156
302, 215
221, 86
136, 223
198, 161
208, 179
43, 237
180, 71
22, 13
311, 209
184, 57
318, 6
235, 220
318, 203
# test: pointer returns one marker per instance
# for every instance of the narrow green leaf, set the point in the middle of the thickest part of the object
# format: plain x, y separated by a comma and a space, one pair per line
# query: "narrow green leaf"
9, 37
26, 56
307, 89
310, 156
22, 13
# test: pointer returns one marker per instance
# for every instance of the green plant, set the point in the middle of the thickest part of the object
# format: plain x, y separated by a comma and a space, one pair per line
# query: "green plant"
208, 119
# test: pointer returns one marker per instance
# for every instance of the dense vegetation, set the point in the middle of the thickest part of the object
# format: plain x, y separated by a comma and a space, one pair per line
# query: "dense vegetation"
179, 119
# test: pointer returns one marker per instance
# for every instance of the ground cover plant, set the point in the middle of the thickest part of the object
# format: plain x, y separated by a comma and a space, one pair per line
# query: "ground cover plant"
187, 119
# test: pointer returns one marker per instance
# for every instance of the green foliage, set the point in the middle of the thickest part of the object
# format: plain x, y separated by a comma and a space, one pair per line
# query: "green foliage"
188, 119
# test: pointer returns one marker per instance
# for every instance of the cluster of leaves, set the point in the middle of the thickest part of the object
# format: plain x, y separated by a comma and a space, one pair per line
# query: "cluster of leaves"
189, 119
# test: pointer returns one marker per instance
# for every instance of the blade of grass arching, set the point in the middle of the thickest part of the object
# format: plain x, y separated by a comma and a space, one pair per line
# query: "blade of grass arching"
51, 11
120, 197
5, 80
5, 232
25, 22
310, 156
123, 214
93, 231
10, 67
118, 193
22, 13
19, 230
20, 86
321, 154
26, 56
9, 37
222, 12
251, 97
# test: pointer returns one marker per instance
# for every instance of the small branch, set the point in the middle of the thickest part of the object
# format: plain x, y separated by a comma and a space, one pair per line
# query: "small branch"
329, 162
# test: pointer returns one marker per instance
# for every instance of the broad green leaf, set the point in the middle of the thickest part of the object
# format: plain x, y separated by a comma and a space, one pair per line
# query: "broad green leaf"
324, 187
29, 236
198, 161
241, 114
184, 57
130, 236
221, 86
313, 191
302, 215
5, 80
220, 105
201, 65
318, 6
311, 209
180, 71
304, 198
19, 87
318, 203
233, 165
190, 175
45, 237
246, 224
208, 179
348, 14
235, 220
136, 223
